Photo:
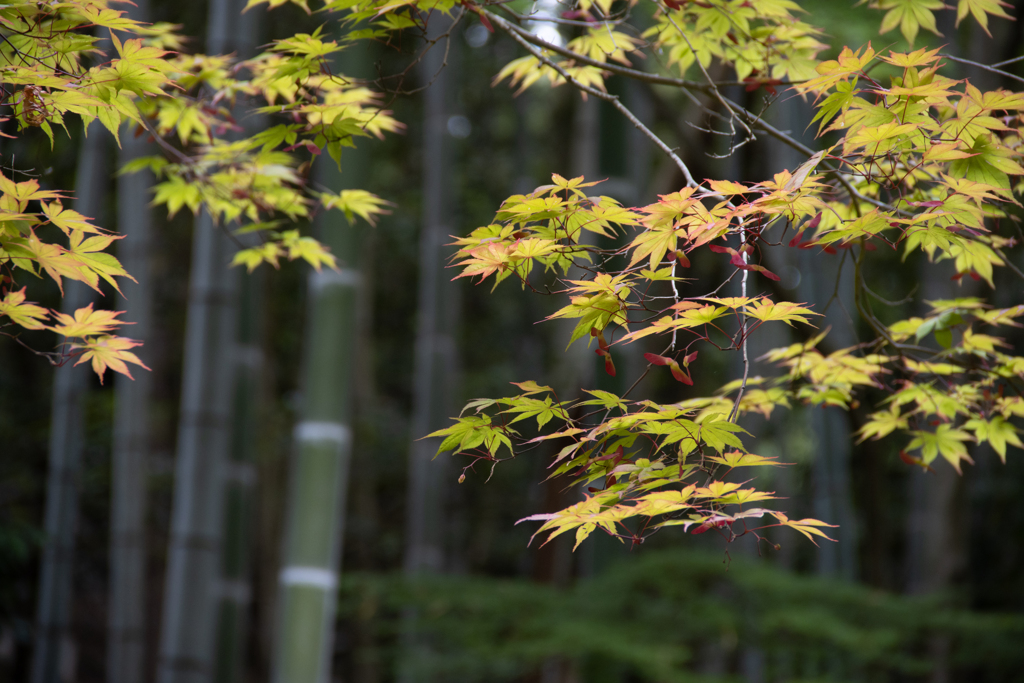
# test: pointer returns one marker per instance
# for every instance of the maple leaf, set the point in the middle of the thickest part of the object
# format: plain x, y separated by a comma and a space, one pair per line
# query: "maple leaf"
654, 243
882, 424
31, 252
997, 431
910, 16
719, 433
835, 104
989, 163
921, 57
741, 459
27, 315
252, 257
605, 399
109, 352
18, 195
355, 203
95, 262
786, 311
308, 249
525, 407
841, 69
980, 9
726, 188
67, 219
531, 387
945, 441
805, 526
86, 322
470, 432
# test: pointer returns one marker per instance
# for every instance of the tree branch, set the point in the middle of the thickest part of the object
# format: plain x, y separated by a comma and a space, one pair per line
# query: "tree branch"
518, 35
986, 67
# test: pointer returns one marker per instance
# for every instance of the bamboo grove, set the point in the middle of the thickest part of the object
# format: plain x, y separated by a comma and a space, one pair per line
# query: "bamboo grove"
910, 160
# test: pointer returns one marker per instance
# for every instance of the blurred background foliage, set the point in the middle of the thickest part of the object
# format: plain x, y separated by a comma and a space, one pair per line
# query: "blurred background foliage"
678, 615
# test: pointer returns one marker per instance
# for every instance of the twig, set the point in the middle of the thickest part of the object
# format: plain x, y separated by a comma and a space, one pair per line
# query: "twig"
635, 74
711, 83
986, 67
600, 94
1008, 61
743, 329
1009, 263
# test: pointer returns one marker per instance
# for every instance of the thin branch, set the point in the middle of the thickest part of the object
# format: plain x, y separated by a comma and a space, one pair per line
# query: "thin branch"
774, 132
711, 83
556, 20
635, 74
1009, 263
750, 118
743, 330
986, 67
516, 34
1008, 61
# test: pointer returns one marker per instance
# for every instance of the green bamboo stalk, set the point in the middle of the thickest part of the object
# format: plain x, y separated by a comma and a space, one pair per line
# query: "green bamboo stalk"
126, 622
189, 618
53, 658
318, 477
437, 315
435, 362
131, 449
189, 631
234, 588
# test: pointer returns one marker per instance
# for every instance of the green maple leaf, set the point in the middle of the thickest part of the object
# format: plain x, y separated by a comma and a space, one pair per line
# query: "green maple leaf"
998, 432
470, 432
355, 203
525, 407
836, 103
741, 459
910, 16
67, 220
980, 9
882, 424
945, 441
605, 399
721, 433
307, 249
785, 311
990, 164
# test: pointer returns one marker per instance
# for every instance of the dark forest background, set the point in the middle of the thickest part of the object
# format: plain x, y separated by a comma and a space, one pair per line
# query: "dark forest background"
924, 583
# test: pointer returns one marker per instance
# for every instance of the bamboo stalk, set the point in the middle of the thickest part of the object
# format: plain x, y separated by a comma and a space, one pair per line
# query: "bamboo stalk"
126, 621
53, 658
318, 477
189, 630
234, 587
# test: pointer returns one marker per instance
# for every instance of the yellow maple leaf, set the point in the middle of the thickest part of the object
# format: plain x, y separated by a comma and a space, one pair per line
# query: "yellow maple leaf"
86, 322
109, 352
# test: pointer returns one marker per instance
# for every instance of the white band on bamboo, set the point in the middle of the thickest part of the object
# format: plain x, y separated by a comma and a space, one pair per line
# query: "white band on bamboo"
322, 431
327, 277
315, 577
